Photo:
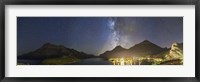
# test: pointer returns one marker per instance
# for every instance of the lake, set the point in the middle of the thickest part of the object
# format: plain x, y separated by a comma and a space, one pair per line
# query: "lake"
93, 61
89, 61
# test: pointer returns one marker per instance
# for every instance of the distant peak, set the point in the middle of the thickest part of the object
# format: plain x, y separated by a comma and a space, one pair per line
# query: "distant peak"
146, 41
48, 44
118, 48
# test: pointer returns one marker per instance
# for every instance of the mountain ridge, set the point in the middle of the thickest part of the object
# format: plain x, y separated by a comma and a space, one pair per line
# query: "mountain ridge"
49, 50
144, 48
141, 49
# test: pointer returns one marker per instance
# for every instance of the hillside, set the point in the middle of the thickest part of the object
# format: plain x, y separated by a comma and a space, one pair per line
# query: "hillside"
49, 50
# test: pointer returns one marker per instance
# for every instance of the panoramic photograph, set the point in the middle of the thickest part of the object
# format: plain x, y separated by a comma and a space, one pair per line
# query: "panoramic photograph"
99, 41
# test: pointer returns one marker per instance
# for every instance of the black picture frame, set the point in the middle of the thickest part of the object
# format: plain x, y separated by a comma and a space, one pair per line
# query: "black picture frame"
98, 2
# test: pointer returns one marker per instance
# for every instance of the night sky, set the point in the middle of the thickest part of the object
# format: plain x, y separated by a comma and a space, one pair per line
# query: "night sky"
95, 35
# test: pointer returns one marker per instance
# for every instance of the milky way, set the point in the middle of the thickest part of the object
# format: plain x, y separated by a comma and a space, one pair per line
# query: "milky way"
95, 35
114, 32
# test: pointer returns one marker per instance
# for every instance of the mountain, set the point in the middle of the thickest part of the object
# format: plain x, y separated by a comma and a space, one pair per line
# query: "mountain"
118, 51
49, 50
145, 48
176, 52
119, 48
